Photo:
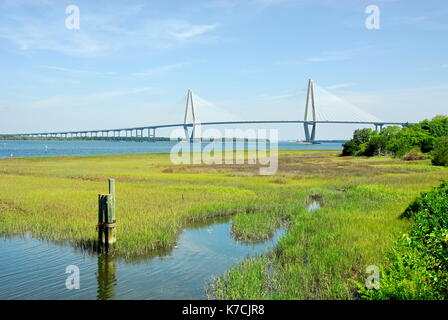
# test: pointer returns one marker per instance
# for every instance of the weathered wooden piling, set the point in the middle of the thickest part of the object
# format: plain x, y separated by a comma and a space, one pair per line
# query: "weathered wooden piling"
106, 216
111, 220
106, 276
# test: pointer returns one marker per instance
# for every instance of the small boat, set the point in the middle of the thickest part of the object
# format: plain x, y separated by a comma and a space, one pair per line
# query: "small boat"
303, 142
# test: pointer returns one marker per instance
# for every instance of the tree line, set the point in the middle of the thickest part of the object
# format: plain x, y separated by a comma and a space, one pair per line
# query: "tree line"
427, 139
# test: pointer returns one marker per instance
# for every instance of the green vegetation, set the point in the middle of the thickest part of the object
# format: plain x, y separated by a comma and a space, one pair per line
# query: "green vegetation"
440, 152
320, 254
419, 268
257, 227
412, 142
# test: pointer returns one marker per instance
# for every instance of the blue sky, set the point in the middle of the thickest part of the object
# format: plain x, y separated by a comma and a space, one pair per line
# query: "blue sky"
131, 64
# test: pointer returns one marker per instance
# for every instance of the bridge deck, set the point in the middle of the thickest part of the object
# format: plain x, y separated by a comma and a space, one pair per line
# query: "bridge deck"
212, 123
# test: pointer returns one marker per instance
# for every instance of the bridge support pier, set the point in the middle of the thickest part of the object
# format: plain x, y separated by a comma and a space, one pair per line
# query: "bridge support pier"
189, 103
152, 136
378, 125
192, 137
310, 137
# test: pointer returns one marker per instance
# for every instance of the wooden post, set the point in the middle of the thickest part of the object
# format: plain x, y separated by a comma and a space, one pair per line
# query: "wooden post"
102, 207
112, 190
106, 216
111, 236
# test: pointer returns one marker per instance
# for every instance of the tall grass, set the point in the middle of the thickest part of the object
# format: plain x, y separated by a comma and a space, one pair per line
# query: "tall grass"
419, 269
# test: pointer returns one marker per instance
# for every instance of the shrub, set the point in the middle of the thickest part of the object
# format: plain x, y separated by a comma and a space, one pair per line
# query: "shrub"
437, 127
412, 137
376, 146
440, 152
361, 136
349, 148
414, 155
353, 147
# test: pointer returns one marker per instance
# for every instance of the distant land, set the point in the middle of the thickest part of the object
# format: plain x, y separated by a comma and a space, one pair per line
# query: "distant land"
6, 137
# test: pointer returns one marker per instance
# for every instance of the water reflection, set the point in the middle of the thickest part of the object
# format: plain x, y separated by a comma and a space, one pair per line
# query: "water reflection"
313, 206
314, 202
106, 276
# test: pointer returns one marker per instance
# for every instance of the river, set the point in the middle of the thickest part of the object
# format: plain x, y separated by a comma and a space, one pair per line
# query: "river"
33, 148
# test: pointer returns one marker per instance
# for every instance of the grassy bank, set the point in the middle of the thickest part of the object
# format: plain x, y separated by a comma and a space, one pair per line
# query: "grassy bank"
419, 268
56, 199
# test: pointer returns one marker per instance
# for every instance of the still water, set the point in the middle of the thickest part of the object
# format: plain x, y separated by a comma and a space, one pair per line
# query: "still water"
33, 269
313, 206
29, 148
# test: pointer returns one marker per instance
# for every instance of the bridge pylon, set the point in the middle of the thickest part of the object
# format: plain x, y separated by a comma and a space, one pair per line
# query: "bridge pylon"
188, 104
310, 116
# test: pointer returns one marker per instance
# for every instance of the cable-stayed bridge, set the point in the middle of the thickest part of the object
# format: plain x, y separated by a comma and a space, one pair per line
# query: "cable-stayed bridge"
313, 116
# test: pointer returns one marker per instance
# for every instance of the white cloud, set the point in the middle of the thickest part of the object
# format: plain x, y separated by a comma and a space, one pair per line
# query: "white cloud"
434, 21
194, 30
403, 104
326, 56
92, 99
32, 34
76, 71
232, 4
99, 34
161, 70
288, 63
332, 56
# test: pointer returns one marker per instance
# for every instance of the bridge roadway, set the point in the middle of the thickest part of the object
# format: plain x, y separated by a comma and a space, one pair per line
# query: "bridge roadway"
139, 130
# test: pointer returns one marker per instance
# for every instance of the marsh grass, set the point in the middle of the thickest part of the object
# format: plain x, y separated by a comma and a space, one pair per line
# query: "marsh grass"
257, 227
322, 251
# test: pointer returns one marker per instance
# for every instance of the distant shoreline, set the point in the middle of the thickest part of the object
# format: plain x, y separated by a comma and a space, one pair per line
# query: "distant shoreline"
110, 139
134, 139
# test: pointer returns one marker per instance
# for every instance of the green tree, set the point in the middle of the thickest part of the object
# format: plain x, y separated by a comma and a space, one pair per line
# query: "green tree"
349, 148
356, 146
411, 137
440, 152
390, 132
376, 146
399, 141
361, 136
437, 126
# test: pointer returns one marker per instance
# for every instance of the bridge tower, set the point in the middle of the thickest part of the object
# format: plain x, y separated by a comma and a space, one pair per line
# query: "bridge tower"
189, 103
310, 115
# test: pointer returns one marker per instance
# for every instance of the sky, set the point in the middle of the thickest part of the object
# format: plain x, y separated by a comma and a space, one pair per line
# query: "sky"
131, 63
